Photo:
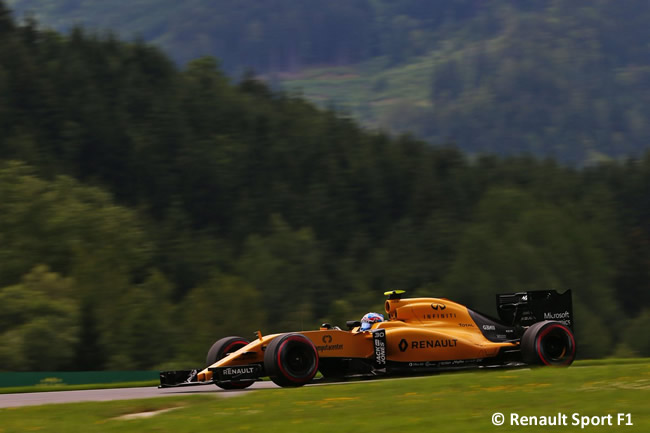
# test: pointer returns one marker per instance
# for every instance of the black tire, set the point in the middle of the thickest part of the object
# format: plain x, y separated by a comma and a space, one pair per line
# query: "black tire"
548, 343
291, 360
222, 348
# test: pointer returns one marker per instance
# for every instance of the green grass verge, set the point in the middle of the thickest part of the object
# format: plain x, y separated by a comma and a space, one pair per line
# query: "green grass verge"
45, 388
459, 402
610, 361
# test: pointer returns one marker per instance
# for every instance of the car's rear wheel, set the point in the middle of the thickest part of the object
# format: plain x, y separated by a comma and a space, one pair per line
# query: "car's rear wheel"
291, 360
548, 343
219, 350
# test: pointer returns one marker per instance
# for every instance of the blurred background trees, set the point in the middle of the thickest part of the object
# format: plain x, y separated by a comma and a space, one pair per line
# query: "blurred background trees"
147, 210
560, 78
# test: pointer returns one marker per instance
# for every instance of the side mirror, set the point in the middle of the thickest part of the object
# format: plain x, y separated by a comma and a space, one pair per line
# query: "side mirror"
351, 324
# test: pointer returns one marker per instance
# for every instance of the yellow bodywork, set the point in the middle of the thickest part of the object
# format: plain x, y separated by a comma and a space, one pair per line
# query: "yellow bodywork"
417, 330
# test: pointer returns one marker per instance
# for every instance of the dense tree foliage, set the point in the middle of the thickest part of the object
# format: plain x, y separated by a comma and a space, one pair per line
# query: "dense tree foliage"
548, 84
148, 210
556, 78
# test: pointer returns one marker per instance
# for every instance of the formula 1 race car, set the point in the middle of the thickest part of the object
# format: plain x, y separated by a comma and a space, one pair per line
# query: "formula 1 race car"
421, 335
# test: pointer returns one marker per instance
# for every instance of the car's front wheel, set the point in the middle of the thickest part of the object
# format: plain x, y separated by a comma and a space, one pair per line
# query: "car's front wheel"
221, 349
291, 360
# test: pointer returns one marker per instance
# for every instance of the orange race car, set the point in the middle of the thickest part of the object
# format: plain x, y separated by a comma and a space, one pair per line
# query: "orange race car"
420, 335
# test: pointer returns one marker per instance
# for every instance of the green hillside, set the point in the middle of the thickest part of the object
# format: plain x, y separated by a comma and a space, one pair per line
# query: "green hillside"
148, 210
564, 79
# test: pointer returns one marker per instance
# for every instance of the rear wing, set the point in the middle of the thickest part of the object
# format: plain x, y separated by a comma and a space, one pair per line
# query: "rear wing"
526, 308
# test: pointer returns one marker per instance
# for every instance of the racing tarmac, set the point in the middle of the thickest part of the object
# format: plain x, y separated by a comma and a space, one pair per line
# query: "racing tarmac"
39, 398
54, 397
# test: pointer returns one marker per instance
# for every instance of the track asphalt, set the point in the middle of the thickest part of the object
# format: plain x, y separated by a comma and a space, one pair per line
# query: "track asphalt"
39, 398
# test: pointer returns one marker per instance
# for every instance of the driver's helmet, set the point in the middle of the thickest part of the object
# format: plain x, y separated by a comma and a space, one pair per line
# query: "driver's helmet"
369, 319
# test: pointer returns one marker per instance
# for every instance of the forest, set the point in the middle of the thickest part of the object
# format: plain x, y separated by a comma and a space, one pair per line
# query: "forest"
148, 209
564, 79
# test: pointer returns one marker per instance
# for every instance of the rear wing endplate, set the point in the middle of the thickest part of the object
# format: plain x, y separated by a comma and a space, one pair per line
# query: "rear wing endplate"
526, 308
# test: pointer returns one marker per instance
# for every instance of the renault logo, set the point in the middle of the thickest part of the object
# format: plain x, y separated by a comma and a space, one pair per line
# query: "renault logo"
403, 345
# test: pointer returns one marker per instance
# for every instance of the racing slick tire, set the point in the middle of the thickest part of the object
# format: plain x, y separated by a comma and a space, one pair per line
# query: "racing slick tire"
222, 348
291, 360
548, 343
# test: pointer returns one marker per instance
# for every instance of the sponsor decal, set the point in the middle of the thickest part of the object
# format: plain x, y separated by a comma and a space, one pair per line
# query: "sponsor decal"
453, 363
327, 347
563, 318
426, 344
327, 339
439, 316
557, 316
465, 325
238, 371
438, 306
379, 341
489, 328
430, 344
456, 362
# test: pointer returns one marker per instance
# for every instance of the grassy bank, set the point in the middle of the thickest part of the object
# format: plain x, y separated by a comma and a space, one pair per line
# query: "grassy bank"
460, 402
373, 92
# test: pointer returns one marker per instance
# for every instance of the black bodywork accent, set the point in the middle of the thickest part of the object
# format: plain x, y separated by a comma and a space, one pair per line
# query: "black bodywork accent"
178, 378
523, 309
351, 324
339, 368
493, 329
527, 308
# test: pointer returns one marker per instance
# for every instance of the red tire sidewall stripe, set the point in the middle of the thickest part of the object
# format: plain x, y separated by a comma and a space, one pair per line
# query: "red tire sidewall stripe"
284, 372
228, 347
546, 331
